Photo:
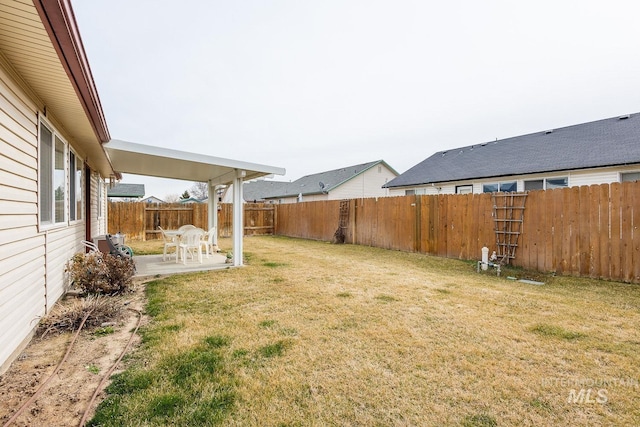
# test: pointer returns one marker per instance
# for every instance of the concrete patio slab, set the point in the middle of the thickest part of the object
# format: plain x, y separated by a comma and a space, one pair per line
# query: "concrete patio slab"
153, 265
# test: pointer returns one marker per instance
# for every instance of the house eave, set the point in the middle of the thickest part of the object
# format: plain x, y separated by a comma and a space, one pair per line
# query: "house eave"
40, 44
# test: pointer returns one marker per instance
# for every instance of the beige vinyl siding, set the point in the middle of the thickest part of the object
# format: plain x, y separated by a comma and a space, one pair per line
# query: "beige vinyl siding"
367, 184
32, 261
60, 245
98, 224
22, 254
594, 176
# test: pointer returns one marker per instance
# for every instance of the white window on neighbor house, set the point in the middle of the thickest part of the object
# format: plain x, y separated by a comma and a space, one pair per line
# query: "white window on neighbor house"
464, 189
630, 176
507, 186
75, 187
546, 184
551, 183
52, 176
409, 192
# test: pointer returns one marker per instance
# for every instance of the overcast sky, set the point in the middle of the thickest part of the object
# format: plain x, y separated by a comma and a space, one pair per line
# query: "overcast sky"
312, 86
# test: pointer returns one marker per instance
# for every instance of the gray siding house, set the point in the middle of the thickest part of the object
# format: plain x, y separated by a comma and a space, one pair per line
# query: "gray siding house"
363, 180
598, 152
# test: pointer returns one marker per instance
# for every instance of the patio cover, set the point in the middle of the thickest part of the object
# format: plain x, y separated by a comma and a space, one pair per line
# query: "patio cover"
140, 159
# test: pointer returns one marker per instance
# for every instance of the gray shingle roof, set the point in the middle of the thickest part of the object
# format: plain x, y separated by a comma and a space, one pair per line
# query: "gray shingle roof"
608, 142
258, 190
126, 190
325, 181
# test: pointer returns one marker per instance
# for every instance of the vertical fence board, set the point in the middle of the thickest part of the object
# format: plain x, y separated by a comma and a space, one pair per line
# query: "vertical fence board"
549, 227
443, 226
432, 232
635, 232
605, 236
453, 247
542, 232
573, 210
558, 261
583, 234
615, 232
602, 254
627, 234
528, 254
594, 231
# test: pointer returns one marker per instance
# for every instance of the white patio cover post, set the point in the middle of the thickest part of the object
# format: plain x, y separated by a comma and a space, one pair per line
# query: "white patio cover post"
213, 211
238, 220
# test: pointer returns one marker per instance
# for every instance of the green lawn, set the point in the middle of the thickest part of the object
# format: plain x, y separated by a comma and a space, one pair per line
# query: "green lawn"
310, 333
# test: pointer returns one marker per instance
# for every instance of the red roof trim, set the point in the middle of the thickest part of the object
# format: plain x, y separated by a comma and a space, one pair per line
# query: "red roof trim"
60, 23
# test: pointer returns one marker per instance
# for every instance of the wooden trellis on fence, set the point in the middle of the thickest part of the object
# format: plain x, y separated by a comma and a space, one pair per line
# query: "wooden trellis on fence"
343, 220
508, 219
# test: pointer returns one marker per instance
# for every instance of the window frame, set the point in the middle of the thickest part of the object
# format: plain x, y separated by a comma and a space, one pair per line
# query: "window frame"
76, 187
635, 173
50, 173
99, 197
462, 189
499, 186
545, 185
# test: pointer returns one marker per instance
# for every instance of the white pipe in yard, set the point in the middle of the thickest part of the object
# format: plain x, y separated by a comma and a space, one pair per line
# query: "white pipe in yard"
485, 258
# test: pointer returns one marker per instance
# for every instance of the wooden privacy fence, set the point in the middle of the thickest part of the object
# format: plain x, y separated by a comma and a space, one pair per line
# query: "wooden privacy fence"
587, 231
140, 221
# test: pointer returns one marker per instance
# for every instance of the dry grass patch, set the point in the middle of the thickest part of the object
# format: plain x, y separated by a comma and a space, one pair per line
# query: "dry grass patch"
316, 334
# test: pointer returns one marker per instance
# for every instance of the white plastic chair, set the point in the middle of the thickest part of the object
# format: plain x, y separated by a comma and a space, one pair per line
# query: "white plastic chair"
185, 227
209, 241
189, 241
169, 242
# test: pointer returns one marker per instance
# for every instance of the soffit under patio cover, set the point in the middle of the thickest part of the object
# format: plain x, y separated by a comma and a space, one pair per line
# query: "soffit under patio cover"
140, 159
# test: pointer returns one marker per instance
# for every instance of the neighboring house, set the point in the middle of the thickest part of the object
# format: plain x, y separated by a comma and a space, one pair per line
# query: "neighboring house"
363, 180
53, 167
598, 152
126, 192
191, 200
256, 191
152, 199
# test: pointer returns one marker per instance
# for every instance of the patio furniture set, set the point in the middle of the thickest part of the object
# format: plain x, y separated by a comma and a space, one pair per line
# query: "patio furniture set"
188, 240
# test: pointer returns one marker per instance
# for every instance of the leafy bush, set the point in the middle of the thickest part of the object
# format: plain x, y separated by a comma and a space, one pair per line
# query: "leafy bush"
98, 273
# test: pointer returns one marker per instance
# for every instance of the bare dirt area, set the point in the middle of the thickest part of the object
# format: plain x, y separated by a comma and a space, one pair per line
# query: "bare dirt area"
69, 391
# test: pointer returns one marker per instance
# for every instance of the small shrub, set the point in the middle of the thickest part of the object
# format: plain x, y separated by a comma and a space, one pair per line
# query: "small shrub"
98, 273
68, 316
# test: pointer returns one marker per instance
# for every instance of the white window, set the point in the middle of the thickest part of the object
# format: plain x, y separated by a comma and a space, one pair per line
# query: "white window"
507, 186
546, 184
534, 184
552, 183
75, 187
99, 191
53, 173
464, 189
630, 176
